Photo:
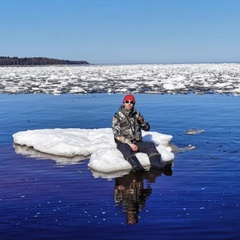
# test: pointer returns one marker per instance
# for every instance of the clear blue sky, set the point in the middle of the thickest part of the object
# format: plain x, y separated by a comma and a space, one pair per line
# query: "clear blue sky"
122, 31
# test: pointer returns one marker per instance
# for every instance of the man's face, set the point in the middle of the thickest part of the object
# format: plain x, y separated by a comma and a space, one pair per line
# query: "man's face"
128, 104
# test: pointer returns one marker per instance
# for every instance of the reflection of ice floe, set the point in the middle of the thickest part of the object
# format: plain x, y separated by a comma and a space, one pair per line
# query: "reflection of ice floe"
145, 78
98, 143
110, 175
60, 160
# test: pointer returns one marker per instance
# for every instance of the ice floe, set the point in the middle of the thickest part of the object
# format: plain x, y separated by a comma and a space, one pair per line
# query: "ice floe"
139, 78
96, 144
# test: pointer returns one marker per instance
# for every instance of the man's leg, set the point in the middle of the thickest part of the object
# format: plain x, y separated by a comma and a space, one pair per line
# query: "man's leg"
153, 154
129, 155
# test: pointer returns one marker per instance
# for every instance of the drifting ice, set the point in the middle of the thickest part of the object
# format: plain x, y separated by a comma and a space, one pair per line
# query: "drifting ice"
96, 143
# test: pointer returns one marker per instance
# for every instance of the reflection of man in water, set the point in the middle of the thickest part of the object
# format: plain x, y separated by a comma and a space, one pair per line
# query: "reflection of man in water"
130, 192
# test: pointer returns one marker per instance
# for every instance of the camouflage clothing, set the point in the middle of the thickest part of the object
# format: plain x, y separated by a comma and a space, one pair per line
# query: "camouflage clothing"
127, 127
127, 124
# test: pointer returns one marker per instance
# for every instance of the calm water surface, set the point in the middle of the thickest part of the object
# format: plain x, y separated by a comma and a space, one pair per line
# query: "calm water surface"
42, 199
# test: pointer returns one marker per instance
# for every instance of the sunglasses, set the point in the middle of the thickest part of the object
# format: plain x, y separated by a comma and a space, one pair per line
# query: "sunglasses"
128, 101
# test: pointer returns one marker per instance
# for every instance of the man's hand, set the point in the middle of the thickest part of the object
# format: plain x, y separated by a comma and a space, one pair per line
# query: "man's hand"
140, 119
134, 147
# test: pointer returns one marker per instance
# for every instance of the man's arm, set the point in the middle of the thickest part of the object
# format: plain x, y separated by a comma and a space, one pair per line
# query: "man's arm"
144, 124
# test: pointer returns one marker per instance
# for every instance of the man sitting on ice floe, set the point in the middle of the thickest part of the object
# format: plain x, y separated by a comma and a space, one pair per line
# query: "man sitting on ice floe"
127, 124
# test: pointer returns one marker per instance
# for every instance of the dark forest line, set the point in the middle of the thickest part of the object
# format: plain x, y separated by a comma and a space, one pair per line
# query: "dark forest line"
26, 61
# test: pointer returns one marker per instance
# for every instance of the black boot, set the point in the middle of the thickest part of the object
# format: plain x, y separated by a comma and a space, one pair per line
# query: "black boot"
136, 165
168, 166
156, 162
167, 170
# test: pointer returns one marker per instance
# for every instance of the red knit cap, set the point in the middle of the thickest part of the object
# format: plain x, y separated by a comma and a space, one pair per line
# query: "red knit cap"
129, 97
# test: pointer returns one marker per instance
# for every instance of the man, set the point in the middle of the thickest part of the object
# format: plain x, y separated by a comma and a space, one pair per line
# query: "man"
127, 124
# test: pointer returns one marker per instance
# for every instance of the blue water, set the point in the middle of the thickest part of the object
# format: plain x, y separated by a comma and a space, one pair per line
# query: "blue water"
200, 200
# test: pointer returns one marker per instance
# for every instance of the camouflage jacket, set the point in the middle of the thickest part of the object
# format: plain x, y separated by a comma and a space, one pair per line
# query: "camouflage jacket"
127, 125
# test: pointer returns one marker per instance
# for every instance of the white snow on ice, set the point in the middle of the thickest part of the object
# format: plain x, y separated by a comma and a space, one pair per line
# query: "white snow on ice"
98, 144
139, 78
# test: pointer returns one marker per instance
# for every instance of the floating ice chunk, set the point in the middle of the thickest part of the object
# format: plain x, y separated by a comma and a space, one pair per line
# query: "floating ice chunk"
98, 143
168, 86
194, 131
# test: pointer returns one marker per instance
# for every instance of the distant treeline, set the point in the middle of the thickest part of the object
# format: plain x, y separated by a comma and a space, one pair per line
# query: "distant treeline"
15, 61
